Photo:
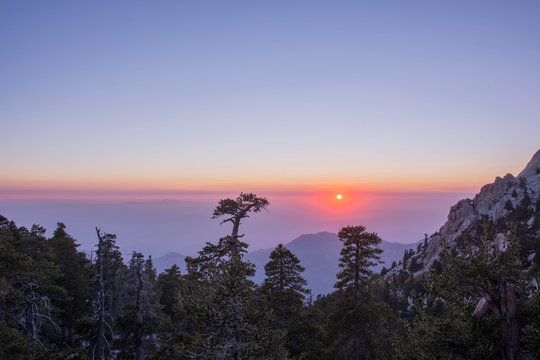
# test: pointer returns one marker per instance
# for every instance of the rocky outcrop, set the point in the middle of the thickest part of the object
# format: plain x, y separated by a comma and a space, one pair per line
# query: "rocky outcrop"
492, 197
533, 167
459, 218
494, 202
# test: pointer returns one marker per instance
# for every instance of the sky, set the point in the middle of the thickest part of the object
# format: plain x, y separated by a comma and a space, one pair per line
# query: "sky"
412, 105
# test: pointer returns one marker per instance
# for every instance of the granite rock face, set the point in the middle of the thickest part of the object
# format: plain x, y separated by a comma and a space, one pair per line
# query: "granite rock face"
459, 217
533, 167
494, 201
492, 197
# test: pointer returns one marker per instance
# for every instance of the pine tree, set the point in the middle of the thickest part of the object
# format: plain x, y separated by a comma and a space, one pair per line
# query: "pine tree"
234, 211
141, 309
358, 255
108, 298
104, 331
17, 270
114, 274
225, 319
170, 285
75, 279
27, 285
284, 289
283, 272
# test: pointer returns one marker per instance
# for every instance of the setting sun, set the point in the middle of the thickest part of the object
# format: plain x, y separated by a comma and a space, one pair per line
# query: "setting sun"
338, 196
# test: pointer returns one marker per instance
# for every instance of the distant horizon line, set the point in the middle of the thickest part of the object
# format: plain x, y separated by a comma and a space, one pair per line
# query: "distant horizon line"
178, 195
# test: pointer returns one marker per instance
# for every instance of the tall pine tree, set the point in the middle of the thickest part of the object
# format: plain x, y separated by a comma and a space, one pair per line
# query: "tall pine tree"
358, 255
75, 279
138, 323
283, 272
225, 319
285, 291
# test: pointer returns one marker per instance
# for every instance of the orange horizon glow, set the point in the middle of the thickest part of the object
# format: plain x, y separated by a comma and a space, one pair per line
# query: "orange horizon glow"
130, 192
165, 186
152, 187
418, 179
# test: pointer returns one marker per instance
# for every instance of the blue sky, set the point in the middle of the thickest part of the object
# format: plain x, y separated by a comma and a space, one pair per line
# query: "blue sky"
178, 93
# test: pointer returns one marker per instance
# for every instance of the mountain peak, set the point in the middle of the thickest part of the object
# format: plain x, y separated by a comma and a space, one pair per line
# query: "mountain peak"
532, 168
166, 261
495, 201
320, 237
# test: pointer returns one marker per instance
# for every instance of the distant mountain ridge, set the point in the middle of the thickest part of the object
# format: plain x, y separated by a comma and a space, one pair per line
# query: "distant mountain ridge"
166, 261
318, 254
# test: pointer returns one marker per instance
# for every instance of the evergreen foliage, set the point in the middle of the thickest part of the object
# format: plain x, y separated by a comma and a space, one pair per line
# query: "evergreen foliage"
75, 279
473, 303
170, 285
285, 292
225, 319
137, 326
283, 272
358, 255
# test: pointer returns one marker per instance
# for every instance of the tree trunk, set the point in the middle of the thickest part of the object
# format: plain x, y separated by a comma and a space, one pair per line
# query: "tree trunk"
501, 307
100, 343
139, 354
235, 249
31, 331
357, 294
356, 348
509, 321
139, 336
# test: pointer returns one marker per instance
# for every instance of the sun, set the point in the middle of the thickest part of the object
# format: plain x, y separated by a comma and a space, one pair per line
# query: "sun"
339, 196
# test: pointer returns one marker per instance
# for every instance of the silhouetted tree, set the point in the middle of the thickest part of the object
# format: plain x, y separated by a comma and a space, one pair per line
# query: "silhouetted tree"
101, 347
170, 285
75, 279
284, 289
224, 317
358, 255
138, 324
234, 211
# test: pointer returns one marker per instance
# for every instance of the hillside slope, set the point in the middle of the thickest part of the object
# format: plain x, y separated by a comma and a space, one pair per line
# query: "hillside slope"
509, 204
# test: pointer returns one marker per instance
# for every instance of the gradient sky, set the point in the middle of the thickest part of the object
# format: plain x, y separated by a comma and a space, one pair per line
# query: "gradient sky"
144, 99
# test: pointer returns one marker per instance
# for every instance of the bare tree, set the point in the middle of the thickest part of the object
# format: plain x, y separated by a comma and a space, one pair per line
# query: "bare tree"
34, 310
100, 312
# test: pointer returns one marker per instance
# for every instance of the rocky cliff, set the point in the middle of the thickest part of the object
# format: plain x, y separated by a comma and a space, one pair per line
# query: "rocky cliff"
507, 199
